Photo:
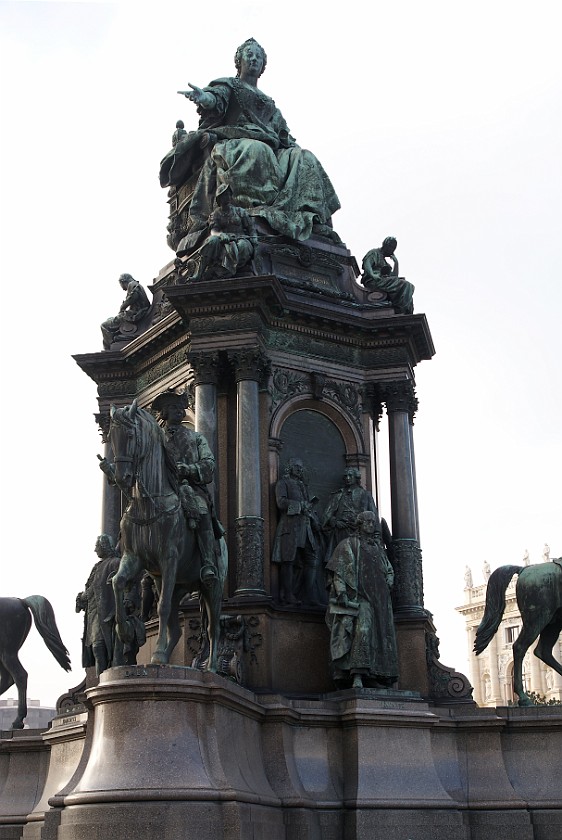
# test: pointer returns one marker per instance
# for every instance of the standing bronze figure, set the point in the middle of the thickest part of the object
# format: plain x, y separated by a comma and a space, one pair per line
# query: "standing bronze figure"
363, 648
295, 549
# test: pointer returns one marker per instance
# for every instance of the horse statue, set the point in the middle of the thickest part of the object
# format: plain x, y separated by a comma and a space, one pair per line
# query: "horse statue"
15, 624
156, 537
539, 598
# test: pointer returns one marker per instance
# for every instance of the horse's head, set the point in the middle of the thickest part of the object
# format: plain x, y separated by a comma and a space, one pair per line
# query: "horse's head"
124, 442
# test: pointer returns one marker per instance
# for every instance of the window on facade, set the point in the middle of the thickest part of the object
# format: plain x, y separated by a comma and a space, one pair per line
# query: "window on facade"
511, 634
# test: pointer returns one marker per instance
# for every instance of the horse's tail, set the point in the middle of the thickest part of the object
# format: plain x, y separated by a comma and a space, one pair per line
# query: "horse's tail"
44, 617
495, 606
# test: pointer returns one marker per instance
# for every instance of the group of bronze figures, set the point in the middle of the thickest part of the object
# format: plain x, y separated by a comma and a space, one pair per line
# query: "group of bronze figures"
337, 560
340, 557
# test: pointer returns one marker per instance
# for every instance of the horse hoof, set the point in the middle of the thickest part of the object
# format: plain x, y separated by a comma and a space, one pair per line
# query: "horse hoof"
159, 659
17, 724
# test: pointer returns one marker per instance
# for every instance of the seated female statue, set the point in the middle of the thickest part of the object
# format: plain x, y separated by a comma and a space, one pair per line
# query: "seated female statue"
252, 154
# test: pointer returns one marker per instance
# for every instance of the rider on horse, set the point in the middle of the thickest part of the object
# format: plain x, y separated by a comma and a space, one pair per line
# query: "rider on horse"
195, 465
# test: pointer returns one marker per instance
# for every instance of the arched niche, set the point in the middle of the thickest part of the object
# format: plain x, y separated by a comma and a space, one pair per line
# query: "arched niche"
318, 434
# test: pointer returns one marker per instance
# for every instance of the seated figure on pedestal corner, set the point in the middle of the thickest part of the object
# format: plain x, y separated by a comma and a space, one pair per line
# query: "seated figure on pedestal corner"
132, 310
243, 144
194, 465
340, 517
363, 648
379, 276
295, 547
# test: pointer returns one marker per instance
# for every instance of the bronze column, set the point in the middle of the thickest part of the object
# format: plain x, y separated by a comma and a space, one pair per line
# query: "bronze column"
205, 377
249, 368
401, 404
111, 495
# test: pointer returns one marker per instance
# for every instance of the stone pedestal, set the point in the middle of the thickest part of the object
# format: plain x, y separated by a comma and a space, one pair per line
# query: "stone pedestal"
66, 742
24, 763
171, 752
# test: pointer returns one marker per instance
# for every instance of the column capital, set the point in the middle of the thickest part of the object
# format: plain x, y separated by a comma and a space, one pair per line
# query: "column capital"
373, 402
251, 363
399, 396
205, 366
103, 419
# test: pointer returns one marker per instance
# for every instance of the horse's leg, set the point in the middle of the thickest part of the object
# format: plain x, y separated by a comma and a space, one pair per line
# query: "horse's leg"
6, 679
547, 640
174, 629
17, 674
521, 645
169, 573
129, 568
211, 596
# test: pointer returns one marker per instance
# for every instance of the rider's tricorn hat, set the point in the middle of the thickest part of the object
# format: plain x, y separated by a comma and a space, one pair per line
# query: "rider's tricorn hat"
169, 397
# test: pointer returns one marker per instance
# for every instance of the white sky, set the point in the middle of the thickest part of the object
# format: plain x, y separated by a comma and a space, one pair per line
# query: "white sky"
438, 122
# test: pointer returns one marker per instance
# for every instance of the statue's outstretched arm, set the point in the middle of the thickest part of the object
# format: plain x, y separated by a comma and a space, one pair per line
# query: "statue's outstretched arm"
202, 98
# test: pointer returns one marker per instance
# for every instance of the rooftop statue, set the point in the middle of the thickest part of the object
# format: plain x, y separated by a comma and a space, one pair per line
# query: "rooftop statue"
243, 145
380, 276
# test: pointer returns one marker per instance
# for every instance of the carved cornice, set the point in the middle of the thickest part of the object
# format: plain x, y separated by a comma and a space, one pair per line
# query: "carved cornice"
168, 364
278, 312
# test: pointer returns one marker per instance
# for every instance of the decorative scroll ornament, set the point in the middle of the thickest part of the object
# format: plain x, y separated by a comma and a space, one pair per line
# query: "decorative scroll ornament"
444, 683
